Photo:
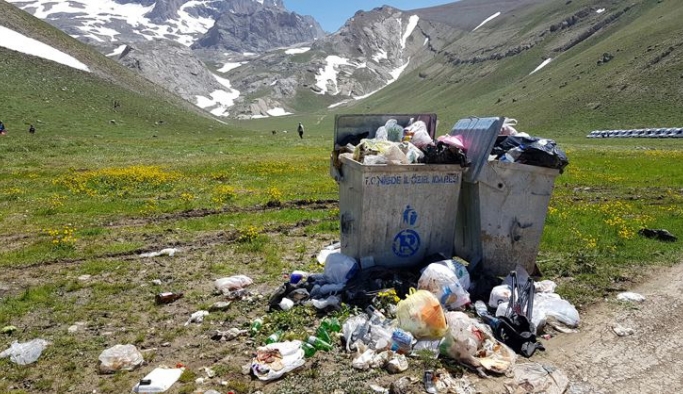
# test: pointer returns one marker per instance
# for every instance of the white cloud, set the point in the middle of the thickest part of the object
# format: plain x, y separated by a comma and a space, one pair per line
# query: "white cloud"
20, 43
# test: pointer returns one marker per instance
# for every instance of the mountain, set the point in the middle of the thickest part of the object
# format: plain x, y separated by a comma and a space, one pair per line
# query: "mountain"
569, 62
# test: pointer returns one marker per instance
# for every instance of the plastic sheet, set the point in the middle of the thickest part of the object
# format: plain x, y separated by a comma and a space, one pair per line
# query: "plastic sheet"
26, 352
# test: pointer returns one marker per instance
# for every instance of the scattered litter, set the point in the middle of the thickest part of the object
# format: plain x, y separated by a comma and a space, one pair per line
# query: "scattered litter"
329, 302
629, 296
210, 373
499, 295
442, 281
232, 283
537, 378
8, 330
472, 343
120, 358
621, 330
26, 352
396, 364
421, 315
328, 250
426, 346
550, 309
159, 380
196, 317
228, 335
275, 359
163, 252
545, 286
220, 306
659, 234
156, 282
286, 304
339, 268
401, 386
445, 383
378, 389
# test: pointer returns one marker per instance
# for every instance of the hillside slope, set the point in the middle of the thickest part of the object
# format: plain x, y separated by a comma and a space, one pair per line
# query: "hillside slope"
65, 100
605, 64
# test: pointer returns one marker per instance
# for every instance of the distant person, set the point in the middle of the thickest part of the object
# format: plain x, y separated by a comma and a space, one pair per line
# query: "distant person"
32, 129
3, 131
301, 130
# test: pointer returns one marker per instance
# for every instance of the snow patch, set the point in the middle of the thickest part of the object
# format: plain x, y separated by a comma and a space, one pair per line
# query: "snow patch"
118, 50
489, 19
600, 10
230, 66
426, 41
540, 66
329, 73
394, 76
412, 22
296, 51
222, 100
20, 43
278, 111
381, 54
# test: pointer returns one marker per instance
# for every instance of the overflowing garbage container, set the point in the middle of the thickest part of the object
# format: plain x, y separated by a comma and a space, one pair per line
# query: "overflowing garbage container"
505, 194
393, 214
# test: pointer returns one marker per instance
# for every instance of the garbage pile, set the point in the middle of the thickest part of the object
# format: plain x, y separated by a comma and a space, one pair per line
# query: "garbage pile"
395, 144
426, 312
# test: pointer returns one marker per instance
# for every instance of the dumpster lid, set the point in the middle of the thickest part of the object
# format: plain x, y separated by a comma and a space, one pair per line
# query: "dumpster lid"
352, 128
478, 137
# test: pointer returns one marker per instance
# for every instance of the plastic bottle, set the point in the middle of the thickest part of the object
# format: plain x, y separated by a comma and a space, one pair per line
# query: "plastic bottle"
331, 324
274, 337
376, 317
297, 276
319, 344
256, 326
309, 350
321, 333
401, 341
167, 297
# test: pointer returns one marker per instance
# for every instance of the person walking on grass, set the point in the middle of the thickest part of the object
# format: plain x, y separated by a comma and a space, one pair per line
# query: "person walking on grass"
3, 131
32, 130
301, 130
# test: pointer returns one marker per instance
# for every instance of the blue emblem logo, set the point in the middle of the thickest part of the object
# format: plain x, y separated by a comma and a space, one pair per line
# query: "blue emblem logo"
406, 243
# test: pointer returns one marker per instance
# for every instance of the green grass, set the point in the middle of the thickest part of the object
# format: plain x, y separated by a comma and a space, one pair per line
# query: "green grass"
85, 196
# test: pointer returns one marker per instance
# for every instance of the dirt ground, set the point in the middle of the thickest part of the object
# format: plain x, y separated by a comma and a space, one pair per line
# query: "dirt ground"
596, 360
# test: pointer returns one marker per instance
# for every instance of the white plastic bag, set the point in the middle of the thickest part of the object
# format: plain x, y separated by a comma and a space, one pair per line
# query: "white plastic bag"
421, 137
412, 152
339, 268
460, 271
445, 285
232, 283
552, 309
276, 359
499, 295
381, 133
120, 358
26, 352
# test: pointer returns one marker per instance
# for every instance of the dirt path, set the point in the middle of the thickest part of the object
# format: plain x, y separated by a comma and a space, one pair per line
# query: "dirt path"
649, 361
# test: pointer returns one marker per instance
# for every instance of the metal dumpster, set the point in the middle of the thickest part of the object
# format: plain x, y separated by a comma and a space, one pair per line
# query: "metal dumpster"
394, 215
502, 206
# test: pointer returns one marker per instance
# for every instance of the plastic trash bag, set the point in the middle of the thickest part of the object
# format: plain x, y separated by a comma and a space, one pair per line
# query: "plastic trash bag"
499, 294
420, 134
550, 308
120, 358
460, 271
533, 378
630, 296
394, 131
538, 152
508, 127
421, 314
276, 359
26, 352
471, 342
232, 283
354, 329
381, 134
412, 152
444, 284
339, 268
328, 250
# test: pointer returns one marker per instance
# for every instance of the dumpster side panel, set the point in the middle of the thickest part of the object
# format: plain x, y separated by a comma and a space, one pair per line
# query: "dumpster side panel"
512, 204
398, 215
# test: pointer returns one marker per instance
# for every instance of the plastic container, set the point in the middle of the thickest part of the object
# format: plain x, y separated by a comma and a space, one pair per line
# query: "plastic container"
393, 215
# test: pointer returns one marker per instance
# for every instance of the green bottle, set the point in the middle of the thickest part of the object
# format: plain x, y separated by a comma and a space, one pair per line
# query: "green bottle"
331, 324
274, 337
319, 344
309, 350
256, 327
322, 334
